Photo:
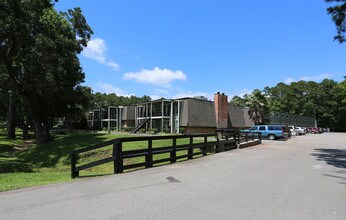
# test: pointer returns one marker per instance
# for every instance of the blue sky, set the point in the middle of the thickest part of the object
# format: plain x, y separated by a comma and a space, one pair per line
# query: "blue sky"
179, 48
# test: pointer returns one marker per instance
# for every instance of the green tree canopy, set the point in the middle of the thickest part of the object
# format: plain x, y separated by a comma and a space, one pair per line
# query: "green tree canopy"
258, 107
325, 101
238, 101
38, 48
103, 100
338, 13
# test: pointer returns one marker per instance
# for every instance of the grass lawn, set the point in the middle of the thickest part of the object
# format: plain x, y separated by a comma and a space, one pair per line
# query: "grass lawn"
25, 164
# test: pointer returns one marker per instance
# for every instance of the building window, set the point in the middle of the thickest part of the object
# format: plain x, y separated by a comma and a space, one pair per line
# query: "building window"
283, 115
278, 115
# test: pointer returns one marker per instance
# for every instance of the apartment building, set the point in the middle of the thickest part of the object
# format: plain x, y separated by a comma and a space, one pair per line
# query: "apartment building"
112, 118
289, 119
189, 115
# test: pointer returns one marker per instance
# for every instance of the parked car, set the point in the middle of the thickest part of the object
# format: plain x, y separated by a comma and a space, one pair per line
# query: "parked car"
313, 130
320, 130
300, 130
286, 129
272, 132
294, 130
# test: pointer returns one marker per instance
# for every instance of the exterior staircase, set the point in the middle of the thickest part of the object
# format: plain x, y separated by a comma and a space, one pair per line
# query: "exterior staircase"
136, 129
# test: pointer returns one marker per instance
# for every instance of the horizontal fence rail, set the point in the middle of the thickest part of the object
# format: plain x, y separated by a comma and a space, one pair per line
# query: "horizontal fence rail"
245, 136
205, 143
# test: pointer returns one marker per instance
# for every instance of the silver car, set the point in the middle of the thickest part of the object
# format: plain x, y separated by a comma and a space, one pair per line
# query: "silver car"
300, 130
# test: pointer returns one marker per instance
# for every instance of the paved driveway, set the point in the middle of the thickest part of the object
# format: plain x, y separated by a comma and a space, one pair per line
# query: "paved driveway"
301, 178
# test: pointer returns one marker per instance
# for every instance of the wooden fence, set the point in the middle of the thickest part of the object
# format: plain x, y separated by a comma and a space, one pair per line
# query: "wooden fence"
206, 143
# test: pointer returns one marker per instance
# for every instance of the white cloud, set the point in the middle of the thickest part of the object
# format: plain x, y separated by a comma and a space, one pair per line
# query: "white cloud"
157, 76
162, 91
315, 78
114, 65
239, 92
182, 94
193, 94
97, 50
155, 97
289, 80
109, 88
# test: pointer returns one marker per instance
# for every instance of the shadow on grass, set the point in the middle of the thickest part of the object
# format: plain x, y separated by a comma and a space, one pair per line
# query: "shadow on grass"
334, 157
48, 155
8, 162
14, 166
6, 148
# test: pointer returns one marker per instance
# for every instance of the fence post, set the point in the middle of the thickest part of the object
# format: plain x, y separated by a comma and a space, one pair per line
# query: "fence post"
253, 136
149, 157
205, 146
260, 137
190, 150
217, 147
118, 162
246, 134
74, 173
115, 157
174, 150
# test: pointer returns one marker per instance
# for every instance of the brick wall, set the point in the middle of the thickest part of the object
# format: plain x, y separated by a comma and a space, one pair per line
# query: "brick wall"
221, 110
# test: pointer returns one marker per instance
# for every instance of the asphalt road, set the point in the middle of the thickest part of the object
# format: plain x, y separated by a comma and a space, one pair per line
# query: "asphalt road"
301, 178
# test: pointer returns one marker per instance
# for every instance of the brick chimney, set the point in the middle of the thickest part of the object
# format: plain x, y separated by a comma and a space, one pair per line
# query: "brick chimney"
221, 110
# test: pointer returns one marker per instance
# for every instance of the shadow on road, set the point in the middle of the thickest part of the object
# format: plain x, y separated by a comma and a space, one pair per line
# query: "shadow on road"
278, 139
340, 176
334, 157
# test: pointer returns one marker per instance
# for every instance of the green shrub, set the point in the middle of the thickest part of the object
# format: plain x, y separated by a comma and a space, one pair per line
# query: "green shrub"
166, 130
153, 131
128, 129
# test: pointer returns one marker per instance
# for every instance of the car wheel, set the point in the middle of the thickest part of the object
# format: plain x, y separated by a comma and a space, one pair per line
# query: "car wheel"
271, 137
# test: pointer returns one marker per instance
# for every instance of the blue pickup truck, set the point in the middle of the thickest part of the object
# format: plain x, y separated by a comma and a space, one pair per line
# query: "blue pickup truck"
272, 132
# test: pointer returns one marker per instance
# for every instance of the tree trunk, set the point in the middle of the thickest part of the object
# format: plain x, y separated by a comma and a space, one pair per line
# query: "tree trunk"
25, 130
46, 126
11, 131
257, 121
70, 123
42, 133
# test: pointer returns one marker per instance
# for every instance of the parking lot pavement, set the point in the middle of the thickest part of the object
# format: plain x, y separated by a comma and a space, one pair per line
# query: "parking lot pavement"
303, 177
